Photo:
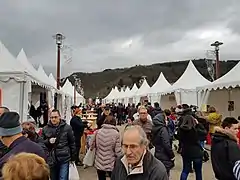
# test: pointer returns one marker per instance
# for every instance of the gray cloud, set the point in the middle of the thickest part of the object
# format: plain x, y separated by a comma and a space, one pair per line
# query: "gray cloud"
100, 31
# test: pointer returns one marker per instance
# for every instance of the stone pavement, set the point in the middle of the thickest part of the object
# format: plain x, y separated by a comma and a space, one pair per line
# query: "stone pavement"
90, 173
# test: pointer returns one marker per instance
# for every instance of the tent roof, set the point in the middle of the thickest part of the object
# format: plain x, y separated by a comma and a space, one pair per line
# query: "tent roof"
231, 79
127, 91
160, 85
43, 75
190, 79
53, 80
114, 94
133, 91
9, 63
68, 88
144, 89
109, 95
22, 58
121, 93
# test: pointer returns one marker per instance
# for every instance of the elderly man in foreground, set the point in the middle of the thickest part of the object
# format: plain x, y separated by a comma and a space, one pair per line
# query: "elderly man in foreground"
137, 163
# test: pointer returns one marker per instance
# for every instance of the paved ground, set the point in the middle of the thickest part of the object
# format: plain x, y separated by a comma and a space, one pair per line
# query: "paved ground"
90, 173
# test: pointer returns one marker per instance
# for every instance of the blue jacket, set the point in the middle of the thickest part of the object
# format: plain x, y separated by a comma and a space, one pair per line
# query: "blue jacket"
22, 144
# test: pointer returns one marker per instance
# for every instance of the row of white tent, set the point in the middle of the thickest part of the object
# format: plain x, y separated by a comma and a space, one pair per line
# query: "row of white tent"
191, 88
21, 83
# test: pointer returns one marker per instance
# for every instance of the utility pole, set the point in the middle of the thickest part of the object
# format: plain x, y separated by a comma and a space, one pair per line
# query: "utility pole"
216, 44
59, 41
75, 88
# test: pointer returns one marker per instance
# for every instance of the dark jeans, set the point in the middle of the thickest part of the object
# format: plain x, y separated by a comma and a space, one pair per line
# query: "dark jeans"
60, 172
102, 174
78, 147
197, 165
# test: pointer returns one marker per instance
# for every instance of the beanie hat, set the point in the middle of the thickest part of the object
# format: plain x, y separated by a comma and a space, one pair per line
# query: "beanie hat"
9, 124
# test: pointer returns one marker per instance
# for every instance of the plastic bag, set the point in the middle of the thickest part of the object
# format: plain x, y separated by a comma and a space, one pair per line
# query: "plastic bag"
73, 172
89, 158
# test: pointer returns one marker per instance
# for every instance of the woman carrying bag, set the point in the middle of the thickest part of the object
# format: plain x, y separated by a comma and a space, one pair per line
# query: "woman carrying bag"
107, 147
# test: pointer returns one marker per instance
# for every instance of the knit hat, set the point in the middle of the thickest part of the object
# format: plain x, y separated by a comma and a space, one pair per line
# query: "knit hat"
9, 124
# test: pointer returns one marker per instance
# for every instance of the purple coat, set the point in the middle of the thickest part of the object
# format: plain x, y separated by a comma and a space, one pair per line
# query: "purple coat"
22, 144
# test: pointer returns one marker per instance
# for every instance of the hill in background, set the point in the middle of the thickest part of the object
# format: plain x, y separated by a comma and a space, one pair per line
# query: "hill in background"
100, 83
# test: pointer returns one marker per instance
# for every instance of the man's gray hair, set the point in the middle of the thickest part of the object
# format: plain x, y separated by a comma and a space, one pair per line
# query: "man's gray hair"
142, 134
5, 109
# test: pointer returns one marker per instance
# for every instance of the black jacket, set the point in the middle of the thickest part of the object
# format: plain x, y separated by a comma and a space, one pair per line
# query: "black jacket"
224, 153
77, 127
161, 141
153, 169
190, 141
155, 111
65, 149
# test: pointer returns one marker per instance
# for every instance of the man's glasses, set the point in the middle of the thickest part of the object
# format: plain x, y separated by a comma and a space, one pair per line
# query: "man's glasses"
53, 117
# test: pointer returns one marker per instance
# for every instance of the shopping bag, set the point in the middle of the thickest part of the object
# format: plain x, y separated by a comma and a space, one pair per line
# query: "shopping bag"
89, 158
73, 172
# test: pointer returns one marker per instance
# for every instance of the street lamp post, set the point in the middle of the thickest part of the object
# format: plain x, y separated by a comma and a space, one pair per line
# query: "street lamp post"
59, 41
216, 44
75, 90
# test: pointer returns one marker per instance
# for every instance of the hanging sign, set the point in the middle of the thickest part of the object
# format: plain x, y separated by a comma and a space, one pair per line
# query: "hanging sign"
230, 105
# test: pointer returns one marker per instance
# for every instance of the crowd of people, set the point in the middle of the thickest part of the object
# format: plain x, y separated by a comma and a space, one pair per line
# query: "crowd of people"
144, 150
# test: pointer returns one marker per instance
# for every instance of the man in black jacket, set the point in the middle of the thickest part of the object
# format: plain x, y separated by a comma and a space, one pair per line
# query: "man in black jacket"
162, 142
78, 127
225, 150
156, 110
59, 139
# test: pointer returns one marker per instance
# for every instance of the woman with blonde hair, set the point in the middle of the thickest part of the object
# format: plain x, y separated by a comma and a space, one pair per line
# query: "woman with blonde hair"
25, 166
108, 147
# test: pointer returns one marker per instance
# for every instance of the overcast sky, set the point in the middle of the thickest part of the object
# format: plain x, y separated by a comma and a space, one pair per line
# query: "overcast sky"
119, 33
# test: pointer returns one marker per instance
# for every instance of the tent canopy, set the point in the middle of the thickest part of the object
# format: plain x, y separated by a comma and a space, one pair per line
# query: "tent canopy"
160, 85
133, 90
144, 89
190, 80
231, 79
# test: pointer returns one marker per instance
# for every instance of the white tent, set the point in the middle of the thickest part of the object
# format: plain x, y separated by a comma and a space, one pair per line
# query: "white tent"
142, 91
133, 91
226, 87
158, 87
68, 88
126, 92
109, 95
28, 67
43, 75
185, 87
79, 99
14, 83
231, 79
120, 97
52, 80
126, 95
113, 95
